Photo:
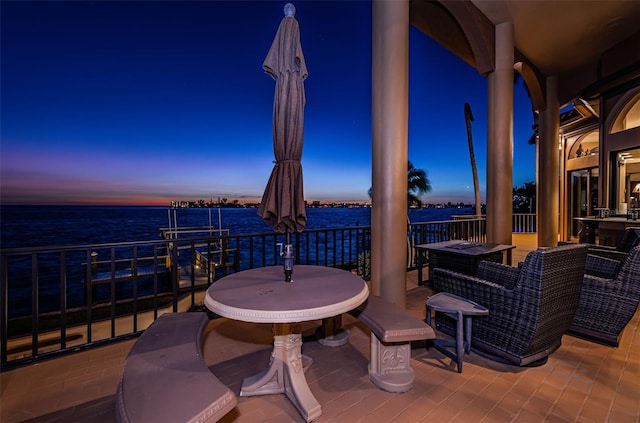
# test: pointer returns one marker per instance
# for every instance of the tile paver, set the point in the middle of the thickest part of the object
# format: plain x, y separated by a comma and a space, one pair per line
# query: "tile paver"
581, 382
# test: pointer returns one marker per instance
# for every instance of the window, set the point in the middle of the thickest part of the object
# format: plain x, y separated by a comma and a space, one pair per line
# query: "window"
628, 177
629, 116
587, 145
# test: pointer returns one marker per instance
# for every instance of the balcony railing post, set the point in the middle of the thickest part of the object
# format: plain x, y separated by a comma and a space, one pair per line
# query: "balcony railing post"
63, 299
4, 308
34, 304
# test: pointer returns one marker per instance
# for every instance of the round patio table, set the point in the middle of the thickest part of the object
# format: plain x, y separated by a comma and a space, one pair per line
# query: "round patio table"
262, 296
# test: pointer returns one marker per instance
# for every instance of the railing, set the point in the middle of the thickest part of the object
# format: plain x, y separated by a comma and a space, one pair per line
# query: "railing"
61, 299
521, 222
524, 223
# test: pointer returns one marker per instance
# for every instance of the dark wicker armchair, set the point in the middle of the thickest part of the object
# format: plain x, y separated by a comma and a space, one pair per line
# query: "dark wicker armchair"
610, 298
630, 238
530, 307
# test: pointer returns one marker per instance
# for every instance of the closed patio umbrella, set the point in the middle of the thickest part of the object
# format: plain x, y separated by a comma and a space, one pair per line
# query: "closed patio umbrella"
282, 204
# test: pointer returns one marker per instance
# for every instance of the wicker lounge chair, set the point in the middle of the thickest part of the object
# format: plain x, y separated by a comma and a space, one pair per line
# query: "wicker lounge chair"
610, 298
630, 238
530, 307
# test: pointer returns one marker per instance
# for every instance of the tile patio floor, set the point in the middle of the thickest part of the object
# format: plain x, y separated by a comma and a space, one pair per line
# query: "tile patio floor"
581, 382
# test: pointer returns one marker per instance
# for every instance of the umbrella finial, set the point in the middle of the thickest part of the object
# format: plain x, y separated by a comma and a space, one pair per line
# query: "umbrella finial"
289, 10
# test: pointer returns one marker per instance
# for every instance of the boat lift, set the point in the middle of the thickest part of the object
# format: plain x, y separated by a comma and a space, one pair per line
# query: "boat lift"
208, 256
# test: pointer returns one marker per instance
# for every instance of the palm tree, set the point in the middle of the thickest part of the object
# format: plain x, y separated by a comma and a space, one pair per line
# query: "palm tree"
417, 184
468, 116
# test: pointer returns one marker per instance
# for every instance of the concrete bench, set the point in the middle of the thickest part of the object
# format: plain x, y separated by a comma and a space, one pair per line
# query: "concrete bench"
165, 378
392, 330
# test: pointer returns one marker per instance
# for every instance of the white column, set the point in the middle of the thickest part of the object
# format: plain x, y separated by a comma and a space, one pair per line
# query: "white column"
564, 221
500, 140
548, 195
390, 121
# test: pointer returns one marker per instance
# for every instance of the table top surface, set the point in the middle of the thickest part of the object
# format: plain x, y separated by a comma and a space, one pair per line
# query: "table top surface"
465, 247
262, 296
451, 303
617, 219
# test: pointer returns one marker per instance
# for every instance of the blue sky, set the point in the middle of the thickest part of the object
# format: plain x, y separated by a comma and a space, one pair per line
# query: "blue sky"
151, 101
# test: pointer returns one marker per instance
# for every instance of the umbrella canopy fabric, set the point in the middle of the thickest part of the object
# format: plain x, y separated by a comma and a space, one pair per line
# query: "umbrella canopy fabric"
282, 204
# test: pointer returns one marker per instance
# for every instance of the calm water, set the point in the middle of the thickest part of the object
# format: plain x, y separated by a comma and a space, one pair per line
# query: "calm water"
31, 226
36, 226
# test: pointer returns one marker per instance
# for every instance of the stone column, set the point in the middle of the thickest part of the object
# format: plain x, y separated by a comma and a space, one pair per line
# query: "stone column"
548, 211
500, 140
564, 221
390, 121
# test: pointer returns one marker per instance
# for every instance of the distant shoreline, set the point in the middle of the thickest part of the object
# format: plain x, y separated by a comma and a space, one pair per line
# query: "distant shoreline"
197, 205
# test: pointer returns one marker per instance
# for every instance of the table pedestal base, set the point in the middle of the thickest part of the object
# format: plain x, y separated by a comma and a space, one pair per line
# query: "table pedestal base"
331, 333
285, 373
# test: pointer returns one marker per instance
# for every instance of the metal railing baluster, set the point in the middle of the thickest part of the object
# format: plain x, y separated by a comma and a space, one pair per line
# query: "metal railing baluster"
340, 247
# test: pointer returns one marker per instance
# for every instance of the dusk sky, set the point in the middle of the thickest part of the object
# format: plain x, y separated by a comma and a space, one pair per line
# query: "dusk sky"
116, 102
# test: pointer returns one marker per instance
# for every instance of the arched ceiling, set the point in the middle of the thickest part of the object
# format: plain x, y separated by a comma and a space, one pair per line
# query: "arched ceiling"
555, 37
560, 36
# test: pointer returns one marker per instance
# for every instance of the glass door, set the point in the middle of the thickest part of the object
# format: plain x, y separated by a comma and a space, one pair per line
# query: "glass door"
583, 196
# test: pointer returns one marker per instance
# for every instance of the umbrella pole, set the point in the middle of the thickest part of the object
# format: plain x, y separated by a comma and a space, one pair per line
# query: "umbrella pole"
288, 256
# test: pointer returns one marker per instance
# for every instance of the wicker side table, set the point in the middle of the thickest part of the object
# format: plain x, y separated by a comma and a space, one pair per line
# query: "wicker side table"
462, 310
